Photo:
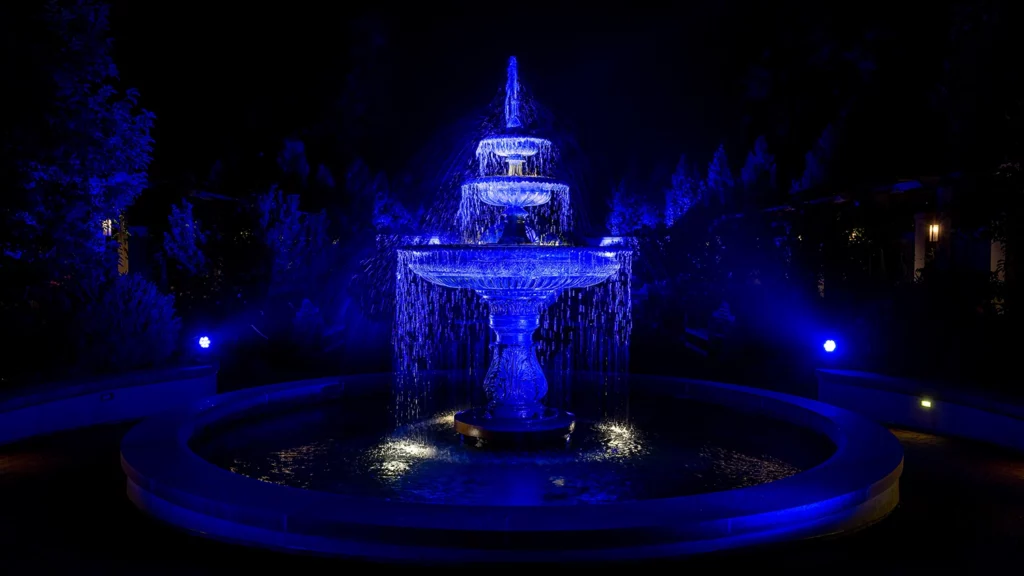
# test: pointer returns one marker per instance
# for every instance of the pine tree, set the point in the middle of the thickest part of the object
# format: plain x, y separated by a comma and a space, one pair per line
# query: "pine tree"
389, 214
292, 161
758, 171
683, 193
629, 213
184, 240
720, 181
324, 177
817, 163
620, 216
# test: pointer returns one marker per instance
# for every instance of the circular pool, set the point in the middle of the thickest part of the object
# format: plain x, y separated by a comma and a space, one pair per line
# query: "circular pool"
370, 466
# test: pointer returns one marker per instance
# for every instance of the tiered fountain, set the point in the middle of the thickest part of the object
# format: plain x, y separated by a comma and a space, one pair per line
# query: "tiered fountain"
695, 466
516, 277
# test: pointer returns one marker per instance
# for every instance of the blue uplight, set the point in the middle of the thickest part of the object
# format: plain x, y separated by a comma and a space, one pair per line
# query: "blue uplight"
830, 345
204, 342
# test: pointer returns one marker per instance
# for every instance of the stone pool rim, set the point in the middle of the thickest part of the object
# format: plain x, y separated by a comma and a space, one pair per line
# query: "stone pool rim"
857, 486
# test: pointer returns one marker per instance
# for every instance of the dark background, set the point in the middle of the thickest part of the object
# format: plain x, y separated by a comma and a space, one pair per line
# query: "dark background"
637, 86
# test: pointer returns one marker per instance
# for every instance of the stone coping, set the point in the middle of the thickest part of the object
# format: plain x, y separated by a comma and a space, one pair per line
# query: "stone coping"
982, 400
856, 486
24, 396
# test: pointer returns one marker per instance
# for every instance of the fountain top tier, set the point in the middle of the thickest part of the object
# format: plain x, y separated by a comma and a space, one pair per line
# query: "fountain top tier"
514, 143
514, 269
513, 164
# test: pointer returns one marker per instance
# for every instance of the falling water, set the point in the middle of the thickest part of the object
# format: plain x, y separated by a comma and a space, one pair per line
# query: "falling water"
439, 328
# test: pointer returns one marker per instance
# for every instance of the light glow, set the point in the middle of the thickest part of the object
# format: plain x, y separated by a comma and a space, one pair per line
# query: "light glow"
933, 232
830, 346
204, 342
926, 403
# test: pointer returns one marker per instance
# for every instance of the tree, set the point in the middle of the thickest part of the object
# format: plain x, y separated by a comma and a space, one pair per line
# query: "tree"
76, 155
684, 192
389, 215
295, 241
292, 161
629, 213
184, 240
818, 161
758, 172
324, 177
95, 153
720, 181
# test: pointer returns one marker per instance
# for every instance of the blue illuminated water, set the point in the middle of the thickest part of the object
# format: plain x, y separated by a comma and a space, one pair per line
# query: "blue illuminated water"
512, 119
586, 326
629, 445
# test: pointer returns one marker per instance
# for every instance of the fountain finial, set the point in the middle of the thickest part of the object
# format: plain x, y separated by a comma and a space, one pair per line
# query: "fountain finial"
512, 95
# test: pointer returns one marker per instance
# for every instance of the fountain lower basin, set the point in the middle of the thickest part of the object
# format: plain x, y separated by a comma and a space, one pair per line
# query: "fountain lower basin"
517, 281
521, 271
500, 507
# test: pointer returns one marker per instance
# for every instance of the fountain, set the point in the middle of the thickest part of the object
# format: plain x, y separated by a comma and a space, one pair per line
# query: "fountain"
338, 466
516, 278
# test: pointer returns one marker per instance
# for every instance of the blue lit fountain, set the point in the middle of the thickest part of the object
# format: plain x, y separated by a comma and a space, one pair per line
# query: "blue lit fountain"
691, 467
516, 278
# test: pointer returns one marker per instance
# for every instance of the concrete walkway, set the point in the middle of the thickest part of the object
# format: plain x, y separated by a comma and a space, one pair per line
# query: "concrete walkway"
63, 511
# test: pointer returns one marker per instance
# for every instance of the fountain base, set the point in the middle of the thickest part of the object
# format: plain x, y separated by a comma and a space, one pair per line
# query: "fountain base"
550, 425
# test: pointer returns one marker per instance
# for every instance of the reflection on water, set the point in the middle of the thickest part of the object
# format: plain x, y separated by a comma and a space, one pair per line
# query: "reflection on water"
607, 461
643, 445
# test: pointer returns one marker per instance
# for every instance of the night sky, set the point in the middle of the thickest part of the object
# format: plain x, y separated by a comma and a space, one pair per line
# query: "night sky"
636, 87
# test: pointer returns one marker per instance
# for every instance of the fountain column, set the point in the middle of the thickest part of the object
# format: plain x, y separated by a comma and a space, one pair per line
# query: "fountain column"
515, 382
515, 385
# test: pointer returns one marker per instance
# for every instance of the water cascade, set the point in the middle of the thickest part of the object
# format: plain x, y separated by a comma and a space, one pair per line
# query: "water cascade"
515, 268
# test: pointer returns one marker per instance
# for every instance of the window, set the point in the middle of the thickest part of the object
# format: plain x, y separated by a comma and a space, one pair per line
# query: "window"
933, 232
108, 227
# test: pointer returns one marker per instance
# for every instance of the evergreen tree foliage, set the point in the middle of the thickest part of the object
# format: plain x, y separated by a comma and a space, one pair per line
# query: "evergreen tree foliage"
184, 240
720, 181
683, 193
629, 212
75, 158
817, 162
292, 161
296, 242
758, 172
389, 215
94, 158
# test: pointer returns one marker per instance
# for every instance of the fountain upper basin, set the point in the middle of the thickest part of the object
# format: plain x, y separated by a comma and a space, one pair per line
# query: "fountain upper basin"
516, 269
512, 144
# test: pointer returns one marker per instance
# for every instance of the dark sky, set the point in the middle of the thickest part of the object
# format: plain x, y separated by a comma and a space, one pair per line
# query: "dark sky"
623, 80
637, 86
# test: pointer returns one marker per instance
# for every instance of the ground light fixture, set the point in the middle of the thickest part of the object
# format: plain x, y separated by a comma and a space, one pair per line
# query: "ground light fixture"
830, 346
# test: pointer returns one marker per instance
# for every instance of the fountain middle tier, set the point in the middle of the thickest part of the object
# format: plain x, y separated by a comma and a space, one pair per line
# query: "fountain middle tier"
517, 281
517, 191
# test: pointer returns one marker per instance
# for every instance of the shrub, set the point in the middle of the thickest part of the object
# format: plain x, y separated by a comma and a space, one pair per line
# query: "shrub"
125, 323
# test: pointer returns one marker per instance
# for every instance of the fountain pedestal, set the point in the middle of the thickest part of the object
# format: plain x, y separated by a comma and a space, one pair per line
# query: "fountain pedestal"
514, 385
